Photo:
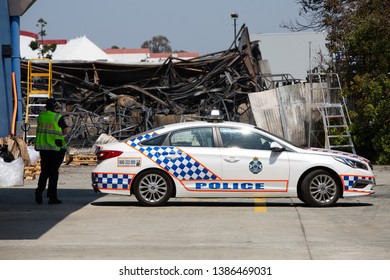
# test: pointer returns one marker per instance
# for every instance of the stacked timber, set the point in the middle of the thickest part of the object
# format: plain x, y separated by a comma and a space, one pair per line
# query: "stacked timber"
32, 172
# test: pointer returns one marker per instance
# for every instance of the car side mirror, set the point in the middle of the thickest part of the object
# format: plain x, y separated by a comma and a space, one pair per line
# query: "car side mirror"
276, 147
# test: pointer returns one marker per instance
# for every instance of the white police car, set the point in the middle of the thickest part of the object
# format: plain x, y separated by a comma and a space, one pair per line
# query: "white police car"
226, 159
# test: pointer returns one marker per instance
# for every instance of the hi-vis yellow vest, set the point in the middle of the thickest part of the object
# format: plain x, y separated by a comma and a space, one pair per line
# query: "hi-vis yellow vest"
48, 132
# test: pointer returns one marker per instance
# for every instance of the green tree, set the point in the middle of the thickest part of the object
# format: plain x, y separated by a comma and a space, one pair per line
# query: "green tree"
365, 67
359, 40
45, 50
371, 116
158, 44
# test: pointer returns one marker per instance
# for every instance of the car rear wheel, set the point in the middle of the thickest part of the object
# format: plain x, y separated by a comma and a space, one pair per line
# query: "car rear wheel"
153, 188
320, 188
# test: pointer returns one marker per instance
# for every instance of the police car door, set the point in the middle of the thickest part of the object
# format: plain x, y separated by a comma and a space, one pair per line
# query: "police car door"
249, 167
197, 159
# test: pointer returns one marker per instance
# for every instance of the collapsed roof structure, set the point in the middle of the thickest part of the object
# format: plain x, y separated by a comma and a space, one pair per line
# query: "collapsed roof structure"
123, 99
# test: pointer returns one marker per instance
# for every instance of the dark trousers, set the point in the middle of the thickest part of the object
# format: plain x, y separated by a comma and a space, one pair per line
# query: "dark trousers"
50, 164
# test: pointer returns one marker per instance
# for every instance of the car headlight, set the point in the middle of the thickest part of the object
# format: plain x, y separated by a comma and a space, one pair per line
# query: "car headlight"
352, 163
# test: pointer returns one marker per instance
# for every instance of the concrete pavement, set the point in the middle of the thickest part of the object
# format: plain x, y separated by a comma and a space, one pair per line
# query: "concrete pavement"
96, 226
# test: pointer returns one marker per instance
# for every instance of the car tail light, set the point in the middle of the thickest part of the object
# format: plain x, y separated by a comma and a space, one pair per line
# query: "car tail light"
106, 154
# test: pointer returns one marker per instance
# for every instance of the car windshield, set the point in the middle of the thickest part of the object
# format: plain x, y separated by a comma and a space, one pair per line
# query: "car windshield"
278, 137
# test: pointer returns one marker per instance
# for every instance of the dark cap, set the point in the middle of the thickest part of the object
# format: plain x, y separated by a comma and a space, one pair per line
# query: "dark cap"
51, 103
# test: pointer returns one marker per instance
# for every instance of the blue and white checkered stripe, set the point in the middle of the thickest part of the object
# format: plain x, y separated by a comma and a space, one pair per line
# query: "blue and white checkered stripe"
183, 167
349, 180
112, 181
335, 152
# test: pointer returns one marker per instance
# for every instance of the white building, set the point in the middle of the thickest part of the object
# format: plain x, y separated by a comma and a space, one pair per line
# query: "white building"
143, 55
83, 49
25, 39
128, 55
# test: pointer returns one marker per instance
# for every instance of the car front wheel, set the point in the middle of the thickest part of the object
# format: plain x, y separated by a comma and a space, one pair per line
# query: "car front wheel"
153, 188
320, 188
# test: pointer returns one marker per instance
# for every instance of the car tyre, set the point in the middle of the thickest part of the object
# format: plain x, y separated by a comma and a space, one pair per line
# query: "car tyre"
301, 197
320, 188
153, 188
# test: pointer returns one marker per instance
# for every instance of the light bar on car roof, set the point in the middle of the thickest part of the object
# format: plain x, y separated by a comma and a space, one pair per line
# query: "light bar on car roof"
215, 116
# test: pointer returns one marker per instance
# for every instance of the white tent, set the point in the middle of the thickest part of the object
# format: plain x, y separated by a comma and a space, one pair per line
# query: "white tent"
81, 49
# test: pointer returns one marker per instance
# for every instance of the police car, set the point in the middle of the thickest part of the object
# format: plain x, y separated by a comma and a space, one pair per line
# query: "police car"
221, 159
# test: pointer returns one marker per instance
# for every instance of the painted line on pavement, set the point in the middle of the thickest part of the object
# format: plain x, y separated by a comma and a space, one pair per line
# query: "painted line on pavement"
260, 205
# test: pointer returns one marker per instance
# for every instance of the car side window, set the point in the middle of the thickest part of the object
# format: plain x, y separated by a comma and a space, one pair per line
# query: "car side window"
192, 137
155, 141
234, 137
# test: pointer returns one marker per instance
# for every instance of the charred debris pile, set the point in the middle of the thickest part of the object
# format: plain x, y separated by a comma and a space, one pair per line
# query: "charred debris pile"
121, 99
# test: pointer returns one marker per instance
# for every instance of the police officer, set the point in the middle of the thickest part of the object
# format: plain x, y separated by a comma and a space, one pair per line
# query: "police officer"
50, 143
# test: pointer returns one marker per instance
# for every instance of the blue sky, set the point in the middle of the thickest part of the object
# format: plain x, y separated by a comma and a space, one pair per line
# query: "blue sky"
203, 26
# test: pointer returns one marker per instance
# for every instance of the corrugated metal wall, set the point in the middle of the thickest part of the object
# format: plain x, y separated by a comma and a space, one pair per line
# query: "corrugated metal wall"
266, 111
285, 111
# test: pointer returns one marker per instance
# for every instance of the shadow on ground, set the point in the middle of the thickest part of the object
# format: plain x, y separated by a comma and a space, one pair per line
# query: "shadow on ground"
221, 203
22, 218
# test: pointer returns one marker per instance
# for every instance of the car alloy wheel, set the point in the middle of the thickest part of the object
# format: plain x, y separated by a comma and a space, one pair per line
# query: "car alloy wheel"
153, 188
319, 188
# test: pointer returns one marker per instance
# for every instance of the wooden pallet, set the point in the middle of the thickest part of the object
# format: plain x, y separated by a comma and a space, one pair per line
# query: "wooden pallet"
77, 160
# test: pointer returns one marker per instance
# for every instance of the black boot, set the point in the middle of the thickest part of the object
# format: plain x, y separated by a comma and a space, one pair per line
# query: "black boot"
54, 201
38, 197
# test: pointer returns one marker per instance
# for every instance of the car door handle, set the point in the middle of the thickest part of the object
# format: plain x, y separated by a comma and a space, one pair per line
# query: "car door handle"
231, 159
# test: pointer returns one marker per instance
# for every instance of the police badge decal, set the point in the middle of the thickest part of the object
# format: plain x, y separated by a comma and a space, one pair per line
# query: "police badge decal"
255, 166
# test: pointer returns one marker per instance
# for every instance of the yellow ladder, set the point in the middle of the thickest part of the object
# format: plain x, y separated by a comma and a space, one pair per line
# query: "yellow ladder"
39, 88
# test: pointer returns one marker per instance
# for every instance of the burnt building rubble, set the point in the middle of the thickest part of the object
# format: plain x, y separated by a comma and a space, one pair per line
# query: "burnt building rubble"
124, 99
